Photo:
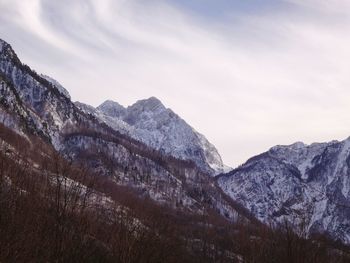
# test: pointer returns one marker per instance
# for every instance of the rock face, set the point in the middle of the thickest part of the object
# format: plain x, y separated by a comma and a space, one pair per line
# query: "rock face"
307, 185
45, 109
150, 122
38, 107
57, 85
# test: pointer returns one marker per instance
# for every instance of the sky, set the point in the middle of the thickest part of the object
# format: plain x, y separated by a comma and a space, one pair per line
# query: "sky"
247, 74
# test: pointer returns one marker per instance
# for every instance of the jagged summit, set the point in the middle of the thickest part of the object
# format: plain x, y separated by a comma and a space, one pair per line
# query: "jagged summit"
115, 110
147, 110
149, 121
151, 103
298, 179
112, 109
35, 109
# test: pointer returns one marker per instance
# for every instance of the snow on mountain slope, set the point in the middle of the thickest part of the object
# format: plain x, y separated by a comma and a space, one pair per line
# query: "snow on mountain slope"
112, 109
151, 122
36, 108
116, 124
57, 85
48, 110
303, 184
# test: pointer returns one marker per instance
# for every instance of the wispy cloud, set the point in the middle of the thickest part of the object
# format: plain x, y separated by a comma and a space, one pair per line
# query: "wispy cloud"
246, 77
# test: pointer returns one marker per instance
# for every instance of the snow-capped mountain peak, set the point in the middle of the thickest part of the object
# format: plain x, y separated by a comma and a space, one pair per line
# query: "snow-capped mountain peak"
150, 104
159, 127
148, 121
289, 181
34, 107
112, 109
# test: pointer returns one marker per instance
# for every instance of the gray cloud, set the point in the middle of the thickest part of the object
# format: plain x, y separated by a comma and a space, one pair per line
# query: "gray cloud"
249, 81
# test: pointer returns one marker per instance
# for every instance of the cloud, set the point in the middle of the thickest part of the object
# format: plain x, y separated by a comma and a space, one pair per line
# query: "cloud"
248, 80
323, 6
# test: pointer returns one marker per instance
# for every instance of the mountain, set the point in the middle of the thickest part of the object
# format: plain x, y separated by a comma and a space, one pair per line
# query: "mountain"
305, 185
57, 85
35, 105
32, 104
150, 122
76, 185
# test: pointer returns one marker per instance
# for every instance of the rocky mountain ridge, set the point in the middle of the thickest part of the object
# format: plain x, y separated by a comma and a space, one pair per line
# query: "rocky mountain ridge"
32, 105
305, 185
160, 128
